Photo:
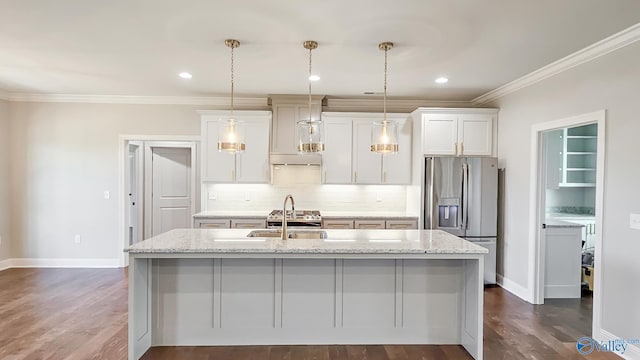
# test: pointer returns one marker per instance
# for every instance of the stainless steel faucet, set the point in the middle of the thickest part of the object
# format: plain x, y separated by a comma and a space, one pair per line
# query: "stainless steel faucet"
284, 214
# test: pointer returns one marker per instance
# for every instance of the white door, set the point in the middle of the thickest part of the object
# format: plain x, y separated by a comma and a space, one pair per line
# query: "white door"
134, 191
172, 189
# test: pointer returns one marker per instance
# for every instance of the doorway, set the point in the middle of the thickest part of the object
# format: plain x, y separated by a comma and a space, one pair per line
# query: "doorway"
158, 186
566, 154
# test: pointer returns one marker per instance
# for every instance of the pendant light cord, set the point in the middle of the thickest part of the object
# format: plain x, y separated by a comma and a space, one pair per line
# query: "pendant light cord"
309, 79
232, 47
384, 101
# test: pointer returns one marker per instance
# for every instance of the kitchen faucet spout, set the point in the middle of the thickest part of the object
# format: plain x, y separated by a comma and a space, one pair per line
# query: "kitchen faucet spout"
284, 214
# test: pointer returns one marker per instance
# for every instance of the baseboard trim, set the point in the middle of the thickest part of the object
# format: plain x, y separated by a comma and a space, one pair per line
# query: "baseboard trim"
562, 291
6, 264
64, 263
632, 352
514, 288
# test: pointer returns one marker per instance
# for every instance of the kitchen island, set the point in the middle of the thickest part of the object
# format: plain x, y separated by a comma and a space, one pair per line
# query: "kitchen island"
219, 287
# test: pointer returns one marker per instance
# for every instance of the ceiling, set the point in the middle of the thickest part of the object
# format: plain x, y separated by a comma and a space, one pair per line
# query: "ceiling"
137, 47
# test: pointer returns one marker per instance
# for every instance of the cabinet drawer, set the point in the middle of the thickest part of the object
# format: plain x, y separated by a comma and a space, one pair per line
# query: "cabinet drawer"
213, 224
402, 224
370, 224
249, 223
337, 224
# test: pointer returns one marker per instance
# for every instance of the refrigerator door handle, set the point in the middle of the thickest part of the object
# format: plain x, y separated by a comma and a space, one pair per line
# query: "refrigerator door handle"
465, 196
429, 178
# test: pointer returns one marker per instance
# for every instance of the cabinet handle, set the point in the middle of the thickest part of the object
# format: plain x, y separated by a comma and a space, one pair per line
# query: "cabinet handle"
324, 179
461, 148
355, 176
455, 149
233, 175
384, 177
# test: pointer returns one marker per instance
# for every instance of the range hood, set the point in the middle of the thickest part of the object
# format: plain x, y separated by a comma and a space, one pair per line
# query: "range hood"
287, 111
295, 159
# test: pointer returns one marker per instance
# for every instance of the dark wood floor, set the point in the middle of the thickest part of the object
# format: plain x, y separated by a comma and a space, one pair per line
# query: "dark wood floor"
82, 314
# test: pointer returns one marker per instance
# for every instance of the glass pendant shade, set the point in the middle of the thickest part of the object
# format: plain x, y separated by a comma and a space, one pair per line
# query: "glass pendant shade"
384, 137
231, 136
310, 136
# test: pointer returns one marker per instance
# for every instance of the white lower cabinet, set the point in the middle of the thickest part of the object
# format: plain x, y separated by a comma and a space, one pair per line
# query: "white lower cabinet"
212, 223
563, 262
249, 223
370, 224
337, 224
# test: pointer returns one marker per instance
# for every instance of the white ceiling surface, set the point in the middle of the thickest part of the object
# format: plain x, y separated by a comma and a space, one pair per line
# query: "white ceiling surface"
137, 47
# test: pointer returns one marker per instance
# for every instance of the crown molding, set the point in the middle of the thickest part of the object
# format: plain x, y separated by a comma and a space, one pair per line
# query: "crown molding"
614, 42
395, 105
258, 102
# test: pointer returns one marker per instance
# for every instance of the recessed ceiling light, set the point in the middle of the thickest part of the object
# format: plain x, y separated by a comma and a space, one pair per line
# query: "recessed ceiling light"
185, 75
314, 77
442, 80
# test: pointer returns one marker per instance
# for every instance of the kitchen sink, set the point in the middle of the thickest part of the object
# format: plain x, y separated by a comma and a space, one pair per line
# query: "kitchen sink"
292, 234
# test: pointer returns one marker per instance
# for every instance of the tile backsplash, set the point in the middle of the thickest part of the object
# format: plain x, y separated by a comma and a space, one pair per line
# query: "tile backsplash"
238, 197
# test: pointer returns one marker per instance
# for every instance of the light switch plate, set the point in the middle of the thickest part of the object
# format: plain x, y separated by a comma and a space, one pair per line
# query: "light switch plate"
77, 239
213, 195
247, 196
634, 221
107, 194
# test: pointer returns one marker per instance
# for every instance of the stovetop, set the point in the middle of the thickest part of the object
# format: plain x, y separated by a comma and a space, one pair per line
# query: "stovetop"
307, 215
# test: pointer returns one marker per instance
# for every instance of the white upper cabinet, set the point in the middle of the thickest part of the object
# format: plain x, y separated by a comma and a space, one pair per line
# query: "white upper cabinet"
367, 165
252, 166
396, 168
336, 159
348, 158
457, 132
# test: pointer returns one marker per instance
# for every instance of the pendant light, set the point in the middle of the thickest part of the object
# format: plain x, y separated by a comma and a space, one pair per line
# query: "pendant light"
310, 139
384, 134
231, 131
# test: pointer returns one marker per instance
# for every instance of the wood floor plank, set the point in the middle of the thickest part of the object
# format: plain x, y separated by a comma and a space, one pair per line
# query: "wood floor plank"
81, 314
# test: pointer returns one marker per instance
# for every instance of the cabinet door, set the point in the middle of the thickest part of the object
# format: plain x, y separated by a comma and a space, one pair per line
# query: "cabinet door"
212, 223
440, 134
283, 132
337, 224
396, 168
401, 224
217, 166
249, 223
370, 224
367, 165
475, 133
252, 166
336, 160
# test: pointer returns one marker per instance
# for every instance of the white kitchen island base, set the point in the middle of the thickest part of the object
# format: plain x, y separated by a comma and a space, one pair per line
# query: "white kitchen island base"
304, 298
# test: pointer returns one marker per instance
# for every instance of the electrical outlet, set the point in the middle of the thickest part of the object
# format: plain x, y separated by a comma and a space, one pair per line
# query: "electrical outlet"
378, 197
247, 196
77, 239
107, 194
213, 195
634, 221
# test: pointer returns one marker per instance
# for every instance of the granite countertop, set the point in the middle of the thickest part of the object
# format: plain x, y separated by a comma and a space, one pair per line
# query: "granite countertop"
555, 223
234, 241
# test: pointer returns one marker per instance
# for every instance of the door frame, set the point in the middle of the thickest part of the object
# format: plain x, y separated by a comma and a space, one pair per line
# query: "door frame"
123, 163
537, 211
139, 185
148, 185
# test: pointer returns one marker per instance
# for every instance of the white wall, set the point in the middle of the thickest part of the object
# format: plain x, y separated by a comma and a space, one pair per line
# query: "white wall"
64, 156
611, 82
5, 215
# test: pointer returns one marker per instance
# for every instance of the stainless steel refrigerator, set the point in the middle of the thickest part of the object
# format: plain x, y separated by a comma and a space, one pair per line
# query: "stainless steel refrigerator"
461, 197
